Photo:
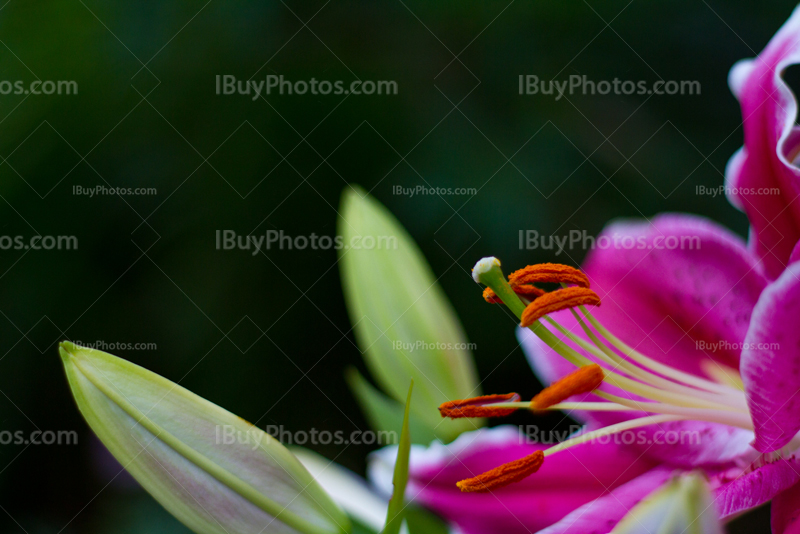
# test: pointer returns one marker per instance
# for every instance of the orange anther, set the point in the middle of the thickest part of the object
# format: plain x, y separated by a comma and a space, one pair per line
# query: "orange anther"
478, 406
503, 475
560, 299
528, 291
548, 272
583, 380
524, 290
490, 296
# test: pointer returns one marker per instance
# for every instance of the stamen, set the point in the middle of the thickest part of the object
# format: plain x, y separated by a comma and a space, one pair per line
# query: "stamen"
560, 299
491, 297
478, 406
724, 415
548, 272
679, 395
584, 380
623, 382
605, 354
528, 291
658, 367
585, 406
524, 290
503, 475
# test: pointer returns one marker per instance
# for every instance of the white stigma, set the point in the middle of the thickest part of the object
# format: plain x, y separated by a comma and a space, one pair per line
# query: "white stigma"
483, 266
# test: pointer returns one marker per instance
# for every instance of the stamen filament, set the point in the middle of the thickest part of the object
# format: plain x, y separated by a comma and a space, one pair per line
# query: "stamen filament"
613, 429
593, 406
622, 382
608, 356
619, 404
658, 367
730, 417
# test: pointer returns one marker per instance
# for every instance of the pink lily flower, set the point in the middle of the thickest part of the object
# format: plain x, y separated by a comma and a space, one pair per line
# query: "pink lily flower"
718, 322
712, 313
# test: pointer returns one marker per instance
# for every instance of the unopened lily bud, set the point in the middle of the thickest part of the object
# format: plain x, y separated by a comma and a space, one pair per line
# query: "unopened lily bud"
682, 505
212, 470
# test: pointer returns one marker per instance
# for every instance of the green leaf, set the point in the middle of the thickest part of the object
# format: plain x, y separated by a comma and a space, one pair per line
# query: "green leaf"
403, 321
396, 512
385, 414
422, 521
215, 472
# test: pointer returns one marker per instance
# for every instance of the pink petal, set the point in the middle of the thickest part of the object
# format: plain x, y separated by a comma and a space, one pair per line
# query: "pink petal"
786, 511
769, 110
771, 362
736, 492
602, 514
565, 481
666, 302
689, 444
795, 253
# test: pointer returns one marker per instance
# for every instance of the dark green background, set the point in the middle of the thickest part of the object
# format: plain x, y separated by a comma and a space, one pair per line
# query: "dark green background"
163, 126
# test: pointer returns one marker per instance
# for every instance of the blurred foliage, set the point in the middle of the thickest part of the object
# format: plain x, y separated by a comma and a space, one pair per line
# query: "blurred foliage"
267, 335
403, 322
